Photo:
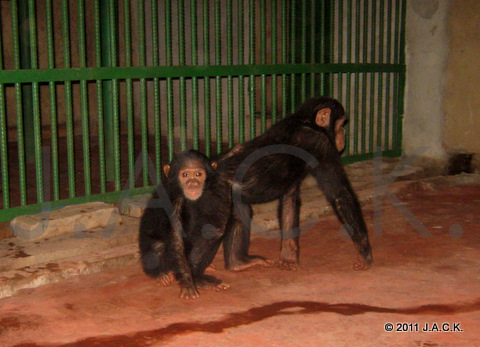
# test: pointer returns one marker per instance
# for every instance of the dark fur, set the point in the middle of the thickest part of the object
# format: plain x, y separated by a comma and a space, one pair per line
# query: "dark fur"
182, 236
278, 176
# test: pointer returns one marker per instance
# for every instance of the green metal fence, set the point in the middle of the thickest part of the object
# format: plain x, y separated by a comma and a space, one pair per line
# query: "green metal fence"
96, 95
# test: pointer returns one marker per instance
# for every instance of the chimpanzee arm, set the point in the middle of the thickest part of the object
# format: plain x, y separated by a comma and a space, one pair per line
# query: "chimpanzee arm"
184, 273
289, 218
333, 181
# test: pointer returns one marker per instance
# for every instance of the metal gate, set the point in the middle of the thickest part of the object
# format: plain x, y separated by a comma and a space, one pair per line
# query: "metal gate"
96, 95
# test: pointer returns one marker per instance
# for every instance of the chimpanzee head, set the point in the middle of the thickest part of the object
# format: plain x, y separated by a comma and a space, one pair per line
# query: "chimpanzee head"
328, 114
191, 172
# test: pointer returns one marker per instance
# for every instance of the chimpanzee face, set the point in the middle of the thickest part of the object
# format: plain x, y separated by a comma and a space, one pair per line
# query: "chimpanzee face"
192, 178
323, 119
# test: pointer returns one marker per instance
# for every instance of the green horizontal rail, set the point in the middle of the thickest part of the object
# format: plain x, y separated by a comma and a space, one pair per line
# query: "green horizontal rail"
107, 73
110, 198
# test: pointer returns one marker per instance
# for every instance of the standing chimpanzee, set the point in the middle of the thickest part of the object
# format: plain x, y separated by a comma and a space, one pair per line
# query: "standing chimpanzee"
184, 223
272, 166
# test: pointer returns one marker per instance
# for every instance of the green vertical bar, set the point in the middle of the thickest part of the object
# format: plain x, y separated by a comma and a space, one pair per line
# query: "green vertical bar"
350, 33
3, 141
84, 98
381, 44
181, 50
284, 58
398, 23
206, 59
194, 38
263, 34
373, 75
229, 78
68, 100
340, 56
365, 32
357, 114
323, 42
156, 94
303, 59
263, 103
263, 60
4, 145
381, 36
364, 113
364, 76
116, 131
274, 59
109, 58
401, 81
25, 36
241, 79
331, 46
53, 103
313, 20
168, 52
218, 85
143, 92
373, 29
36, 103
115, 104
100, 124
251, 80
388, 96
18, 104
129, 96
292, 56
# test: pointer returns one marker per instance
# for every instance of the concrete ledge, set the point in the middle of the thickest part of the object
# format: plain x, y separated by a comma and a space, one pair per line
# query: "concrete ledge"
18, 253
134, 207
34, 276
70, 219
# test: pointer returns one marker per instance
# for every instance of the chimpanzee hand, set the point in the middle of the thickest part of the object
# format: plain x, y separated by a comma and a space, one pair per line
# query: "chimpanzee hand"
189, 293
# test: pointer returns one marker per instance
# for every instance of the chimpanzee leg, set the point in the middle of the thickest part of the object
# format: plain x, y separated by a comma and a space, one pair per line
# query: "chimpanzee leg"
288, 215
237, 242
200, 257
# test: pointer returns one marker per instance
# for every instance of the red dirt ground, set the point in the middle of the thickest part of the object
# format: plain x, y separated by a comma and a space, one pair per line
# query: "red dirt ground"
414, 280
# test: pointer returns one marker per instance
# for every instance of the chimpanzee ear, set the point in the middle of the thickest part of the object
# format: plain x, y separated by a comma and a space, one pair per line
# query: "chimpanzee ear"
214, 164
166, 169
323, 117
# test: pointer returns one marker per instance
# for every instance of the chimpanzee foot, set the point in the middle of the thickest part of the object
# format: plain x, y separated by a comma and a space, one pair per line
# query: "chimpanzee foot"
362, 264
211, 283
167, 279
289, 254
252, 261
188, 293
211, 267
288, 264
216, 287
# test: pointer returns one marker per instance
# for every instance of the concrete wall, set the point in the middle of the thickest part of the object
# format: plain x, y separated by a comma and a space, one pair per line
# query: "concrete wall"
442, 106
462, 93
427, 54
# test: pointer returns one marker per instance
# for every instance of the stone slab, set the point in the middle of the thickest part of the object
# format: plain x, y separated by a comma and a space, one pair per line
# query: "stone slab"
70, 219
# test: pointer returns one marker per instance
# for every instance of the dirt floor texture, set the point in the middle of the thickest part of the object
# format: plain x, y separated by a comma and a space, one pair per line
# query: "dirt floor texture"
422, 290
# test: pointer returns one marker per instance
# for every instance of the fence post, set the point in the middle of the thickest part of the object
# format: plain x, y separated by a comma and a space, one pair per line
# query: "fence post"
108, 25
26, 63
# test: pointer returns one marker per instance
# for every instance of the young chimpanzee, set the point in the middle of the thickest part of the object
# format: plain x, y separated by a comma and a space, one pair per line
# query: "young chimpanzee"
184, 223
272, 166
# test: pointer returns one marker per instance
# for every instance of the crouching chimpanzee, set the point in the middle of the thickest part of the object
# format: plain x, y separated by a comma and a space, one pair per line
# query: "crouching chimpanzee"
272, 166
184, 223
